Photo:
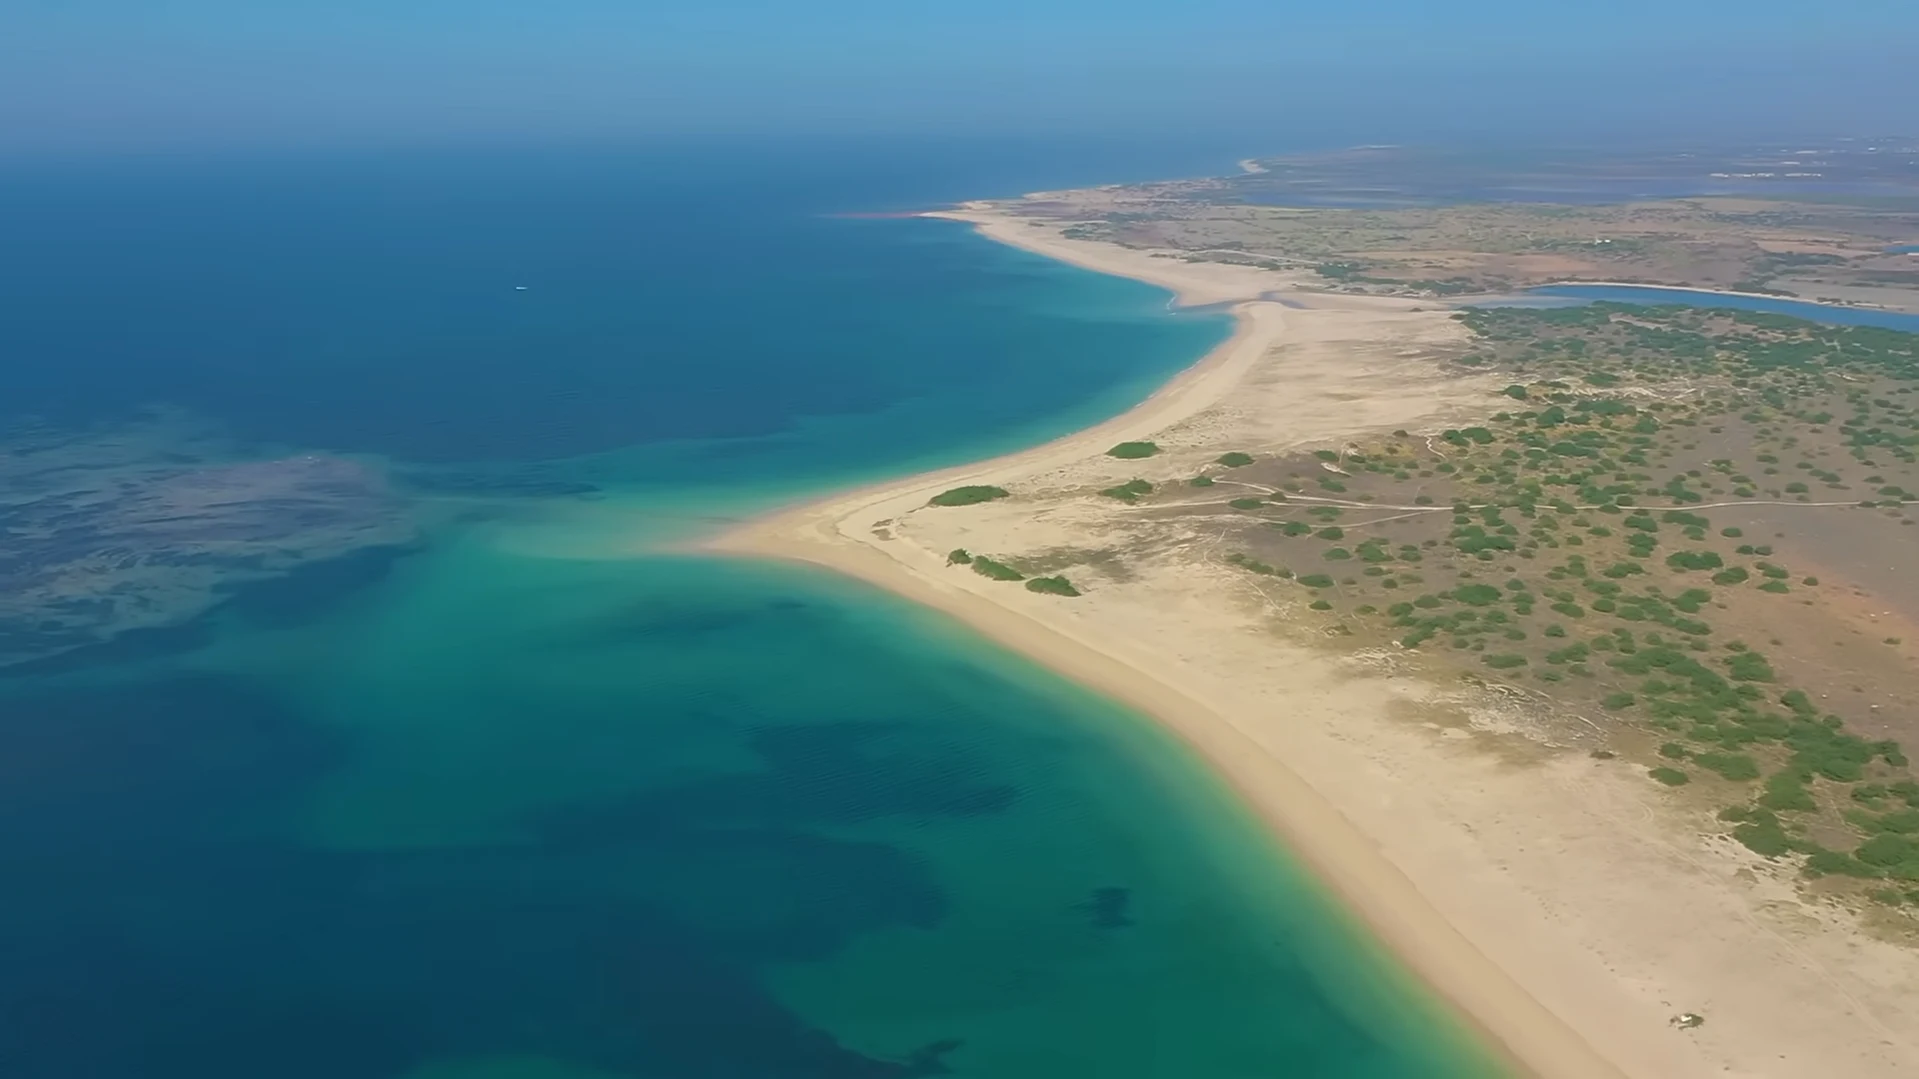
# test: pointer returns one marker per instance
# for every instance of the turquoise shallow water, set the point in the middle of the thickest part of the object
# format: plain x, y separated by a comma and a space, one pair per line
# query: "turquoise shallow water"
524, 798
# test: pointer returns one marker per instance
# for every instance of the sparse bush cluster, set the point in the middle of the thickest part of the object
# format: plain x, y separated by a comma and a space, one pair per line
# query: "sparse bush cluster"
1572, 542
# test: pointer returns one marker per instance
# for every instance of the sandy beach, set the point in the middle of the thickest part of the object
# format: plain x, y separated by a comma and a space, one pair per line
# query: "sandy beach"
1564, 911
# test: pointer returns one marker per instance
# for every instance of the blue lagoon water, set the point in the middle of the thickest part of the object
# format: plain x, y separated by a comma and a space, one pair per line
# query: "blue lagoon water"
1835, 314
492, 787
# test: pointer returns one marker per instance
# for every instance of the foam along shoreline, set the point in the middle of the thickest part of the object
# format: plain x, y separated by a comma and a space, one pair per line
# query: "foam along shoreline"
849, 533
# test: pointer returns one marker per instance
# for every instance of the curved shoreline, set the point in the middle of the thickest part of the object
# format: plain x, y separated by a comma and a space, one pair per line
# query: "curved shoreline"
838, 533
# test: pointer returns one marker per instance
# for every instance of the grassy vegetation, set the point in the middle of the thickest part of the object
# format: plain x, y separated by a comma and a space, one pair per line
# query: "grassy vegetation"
1235, 459
1132, 451
998, 571
1130, 491
967, 496
1571, 543
1254, 565
1671, 777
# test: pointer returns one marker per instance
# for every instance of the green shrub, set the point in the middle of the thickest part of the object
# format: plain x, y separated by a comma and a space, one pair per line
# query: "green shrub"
1235, 459
1749, 667
1825, 862
1731, 575
959, 557
1505, 662
1477, 595
1734, 766
1899, 822
1253, 504
1129, 491
1763, 835
1887, 850
998, 571
1200, 481
1671, 777
1132, 451
1618, 700
1785, 791
1052, 586
1254, 565
1694, 560
967, 496
1316, 580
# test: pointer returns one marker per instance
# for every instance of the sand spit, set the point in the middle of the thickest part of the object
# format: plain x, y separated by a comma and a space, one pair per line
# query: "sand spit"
1571, 912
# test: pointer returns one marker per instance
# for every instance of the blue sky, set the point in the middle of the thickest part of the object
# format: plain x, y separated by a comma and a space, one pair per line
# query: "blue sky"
118, 74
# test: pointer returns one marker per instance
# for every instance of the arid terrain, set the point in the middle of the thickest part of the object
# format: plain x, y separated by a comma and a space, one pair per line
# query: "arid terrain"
1824, 226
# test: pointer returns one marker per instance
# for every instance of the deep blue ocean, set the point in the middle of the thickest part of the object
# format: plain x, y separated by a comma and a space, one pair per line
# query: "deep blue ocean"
356, 726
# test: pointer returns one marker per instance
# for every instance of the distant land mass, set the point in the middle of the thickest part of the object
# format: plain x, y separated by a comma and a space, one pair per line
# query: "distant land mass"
1829, 223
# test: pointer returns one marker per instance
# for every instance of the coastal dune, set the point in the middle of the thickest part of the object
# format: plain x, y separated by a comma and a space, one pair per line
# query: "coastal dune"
1561, 909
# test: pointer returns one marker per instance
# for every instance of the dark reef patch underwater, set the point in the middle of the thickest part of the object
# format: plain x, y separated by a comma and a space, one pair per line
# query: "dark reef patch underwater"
351, 730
